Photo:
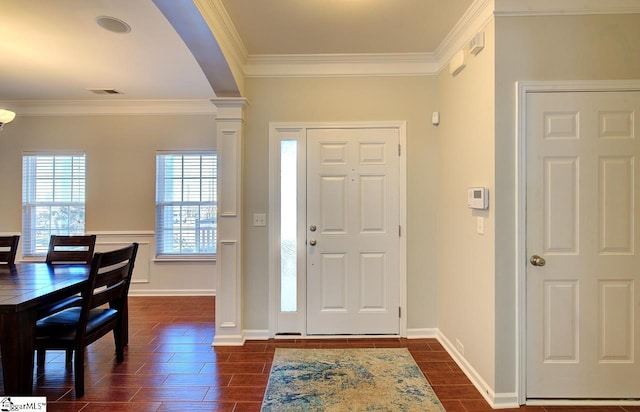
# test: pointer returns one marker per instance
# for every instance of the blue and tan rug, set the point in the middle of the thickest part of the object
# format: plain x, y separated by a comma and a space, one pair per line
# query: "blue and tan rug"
347, 380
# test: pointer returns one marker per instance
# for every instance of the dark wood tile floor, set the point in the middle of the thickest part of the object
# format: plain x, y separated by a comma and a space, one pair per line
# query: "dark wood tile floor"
171, 366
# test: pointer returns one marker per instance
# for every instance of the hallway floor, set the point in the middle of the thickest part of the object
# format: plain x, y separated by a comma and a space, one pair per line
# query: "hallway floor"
170, 365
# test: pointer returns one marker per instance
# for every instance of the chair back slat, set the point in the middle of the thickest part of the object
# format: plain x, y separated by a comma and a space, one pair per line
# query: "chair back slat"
71, 249
8, 249
109, 279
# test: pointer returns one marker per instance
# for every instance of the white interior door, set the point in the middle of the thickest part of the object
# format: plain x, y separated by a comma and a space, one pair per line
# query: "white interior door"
353, 238
583, 304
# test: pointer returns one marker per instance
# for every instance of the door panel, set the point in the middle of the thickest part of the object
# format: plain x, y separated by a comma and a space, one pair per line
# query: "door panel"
353, 241
583, 312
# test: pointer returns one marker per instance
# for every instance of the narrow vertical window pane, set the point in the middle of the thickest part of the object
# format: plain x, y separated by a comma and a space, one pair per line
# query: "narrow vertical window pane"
288, 225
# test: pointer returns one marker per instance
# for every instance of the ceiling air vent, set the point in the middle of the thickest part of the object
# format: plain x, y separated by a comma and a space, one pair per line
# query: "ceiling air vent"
105, 91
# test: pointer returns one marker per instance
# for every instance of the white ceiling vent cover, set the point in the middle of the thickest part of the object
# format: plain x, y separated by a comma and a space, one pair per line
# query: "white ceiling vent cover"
105, 91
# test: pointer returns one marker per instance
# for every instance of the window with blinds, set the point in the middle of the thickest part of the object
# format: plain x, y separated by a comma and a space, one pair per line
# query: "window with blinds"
53, 199
186, 204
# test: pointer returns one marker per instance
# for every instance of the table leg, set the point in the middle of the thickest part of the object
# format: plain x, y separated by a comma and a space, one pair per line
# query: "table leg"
17, 335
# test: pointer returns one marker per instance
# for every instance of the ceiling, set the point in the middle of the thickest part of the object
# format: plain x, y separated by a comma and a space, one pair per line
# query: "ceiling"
55, 50
343, 26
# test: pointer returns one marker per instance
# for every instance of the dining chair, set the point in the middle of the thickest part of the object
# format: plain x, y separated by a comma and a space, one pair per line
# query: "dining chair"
76, 249
8, 249
71, 249
104, 298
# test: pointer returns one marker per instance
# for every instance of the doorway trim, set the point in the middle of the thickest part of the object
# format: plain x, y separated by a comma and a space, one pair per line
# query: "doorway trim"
522, 90
297, 130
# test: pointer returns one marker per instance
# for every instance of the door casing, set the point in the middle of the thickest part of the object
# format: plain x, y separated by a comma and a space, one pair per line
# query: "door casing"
279, 131
522, 89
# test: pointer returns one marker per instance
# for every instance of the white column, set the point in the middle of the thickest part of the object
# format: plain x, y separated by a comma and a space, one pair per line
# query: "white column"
229, 121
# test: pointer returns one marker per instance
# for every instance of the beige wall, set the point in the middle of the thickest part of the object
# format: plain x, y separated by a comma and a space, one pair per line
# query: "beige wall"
466, 281
546, 48
477, 294
345, 99
120, 193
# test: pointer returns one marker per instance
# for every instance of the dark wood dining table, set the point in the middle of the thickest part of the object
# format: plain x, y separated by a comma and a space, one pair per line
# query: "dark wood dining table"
25, 287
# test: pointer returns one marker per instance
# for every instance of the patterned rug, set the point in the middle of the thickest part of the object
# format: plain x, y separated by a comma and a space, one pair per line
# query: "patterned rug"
347, 380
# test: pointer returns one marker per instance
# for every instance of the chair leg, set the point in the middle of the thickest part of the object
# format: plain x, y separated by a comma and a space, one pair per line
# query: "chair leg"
79, 372
69, 356
41, 354
119, 341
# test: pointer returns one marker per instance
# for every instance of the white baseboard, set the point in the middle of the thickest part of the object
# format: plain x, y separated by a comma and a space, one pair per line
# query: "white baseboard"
228, 340
172, 292
424, 333
583, 402
495, 400
256, 334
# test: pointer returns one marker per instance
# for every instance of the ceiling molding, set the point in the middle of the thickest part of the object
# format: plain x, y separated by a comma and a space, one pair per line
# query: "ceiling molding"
341, 65
565, 7
478, 15
119, 107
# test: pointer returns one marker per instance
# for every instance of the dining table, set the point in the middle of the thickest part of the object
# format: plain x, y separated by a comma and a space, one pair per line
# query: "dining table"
24, 288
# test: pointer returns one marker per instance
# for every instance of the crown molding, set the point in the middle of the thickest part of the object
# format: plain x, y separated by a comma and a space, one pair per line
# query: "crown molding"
478, 15
343, 65
119, 107
565, 7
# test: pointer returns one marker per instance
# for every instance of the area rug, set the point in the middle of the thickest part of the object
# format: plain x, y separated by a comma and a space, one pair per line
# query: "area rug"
347, 380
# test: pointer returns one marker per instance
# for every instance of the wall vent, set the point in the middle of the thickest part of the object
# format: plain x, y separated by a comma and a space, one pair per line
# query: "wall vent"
105, 91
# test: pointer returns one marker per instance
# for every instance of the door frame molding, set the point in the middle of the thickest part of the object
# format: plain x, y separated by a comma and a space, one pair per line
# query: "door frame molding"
298, 130
523, 89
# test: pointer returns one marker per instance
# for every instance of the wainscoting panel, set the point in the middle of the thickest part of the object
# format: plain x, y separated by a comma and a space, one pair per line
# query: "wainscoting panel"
161, 277
105, 243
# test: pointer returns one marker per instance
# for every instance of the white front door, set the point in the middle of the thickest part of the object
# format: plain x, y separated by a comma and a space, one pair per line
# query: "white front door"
583, 304
353, 238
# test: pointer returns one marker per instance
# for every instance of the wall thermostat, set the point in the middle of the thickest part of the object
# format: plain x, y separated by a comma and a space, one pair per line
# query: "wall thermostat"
478, 198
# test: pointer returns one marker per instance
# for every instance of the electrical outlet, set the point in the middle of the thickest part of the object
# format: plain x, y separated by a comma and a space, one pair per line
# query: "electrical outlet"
460, 347
259, 219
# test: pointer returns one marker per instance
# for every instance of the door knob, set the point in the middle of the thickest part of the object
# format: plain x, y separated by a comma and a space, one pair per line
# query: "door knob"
312, 228
312, 242
537, 260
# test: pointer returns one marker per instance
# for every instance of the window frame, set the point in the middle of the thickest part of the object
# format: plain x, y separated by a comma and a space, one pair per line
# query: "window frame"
77, 199
160, 204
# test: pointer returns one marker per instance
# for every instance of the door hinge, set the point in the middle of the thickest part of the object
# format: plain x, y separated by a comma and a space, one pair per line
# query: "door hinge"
399, 312
399, 231
399, 150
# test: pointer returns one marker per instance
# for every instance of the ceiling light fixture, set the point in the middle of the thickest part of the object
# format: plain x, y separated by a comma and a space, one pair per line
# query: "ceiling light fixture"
5, 117
112, 24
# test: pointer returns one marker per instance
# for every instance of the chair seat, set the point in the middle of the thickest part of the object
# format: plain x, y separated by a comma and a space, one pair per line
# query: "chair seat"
62, 326
60, 305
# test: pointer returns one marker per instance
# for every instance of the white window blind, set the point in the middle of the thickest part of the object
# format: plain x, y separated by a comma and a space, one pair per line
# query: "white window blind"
53, 199
186, 203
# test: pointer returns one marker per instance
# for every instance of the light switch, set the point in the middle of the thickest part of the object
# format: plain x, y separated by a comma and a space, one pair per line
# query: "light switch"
259, 219
480, 228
